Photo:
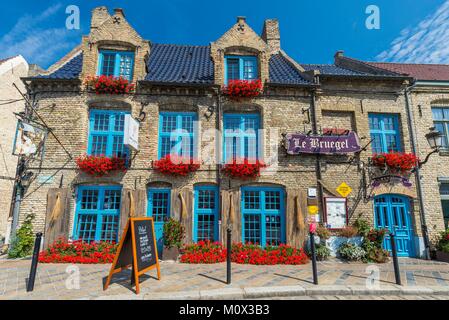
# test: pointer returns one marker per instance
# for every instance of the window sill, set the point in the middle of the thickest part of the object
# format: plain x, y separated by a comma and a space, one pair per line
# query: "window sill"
444, 153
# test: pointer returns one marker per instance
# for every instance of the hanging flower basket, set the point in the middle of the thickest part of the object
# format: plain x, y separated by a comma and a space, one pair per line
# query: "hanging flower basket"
176, 166
238, 89
396, 162
109, 85
245, 168
99, 166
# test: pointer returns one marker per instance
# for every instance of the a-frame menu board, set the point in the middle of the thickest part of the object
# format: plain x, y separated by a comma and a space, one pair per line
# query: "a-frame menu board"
137, 249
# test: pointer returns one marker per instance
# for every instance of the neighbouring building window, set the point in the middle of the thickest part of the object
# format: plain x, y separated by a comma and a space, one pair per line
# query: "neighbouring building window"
97, 213
241, 68
441, 122
384, 130
177, 134
444, 194
106, 133
205, 223
241, 137
263, 215
116, 63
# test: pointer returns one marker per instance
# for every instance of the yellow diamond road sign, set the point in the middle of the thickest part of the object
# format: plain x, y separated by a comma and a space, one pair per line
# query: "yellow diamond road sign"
344, 189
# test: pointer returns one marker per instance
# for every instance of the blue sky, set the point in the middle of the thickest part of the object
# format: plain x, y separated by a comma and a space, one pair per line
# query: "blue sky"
311, 31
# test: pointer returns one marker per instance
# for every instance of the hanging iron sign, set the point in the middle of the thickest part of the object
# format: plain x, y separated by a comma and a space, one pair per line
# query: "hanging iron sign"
297, 143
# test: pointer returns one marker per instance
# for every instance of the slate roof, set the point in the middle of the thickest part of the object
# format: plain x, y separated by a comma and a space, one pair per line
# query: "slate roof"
180, 64
332, 69
70, 70
283, 72
425, 72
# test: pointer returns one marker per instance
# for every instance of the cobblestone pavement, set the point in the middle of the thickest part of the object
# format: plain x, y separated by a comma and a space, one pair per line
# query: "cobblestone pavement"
365, 297
57, 281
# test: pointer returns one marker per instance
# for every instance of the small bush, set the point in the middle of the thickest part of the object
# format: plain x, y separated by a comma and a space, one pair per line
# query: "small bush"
322, 252
362, 226
351, 252
23, 242
323, 232
443, 243
174, 233
348, 232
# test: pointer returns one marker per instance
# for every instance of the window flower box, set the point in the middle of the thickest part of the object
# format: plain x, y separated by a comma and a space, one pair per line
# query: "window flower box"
395, 162
243, 168
110, 85
99, 166
176, 166
238, 89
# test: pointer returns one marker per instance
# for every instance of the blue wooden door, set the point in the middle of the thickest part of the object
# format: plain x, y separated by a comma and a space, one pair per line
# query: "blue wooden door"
392, 212
159, 209
205, 223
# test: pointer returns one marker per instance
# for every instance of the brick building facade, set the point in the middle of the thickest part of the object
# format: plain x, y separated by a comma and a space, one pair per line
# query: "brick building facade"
180, 87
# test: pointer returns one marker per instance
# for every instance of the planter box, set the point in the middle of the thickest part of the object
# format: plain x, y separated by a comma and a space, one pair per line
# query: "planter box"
334, 242
443, 256
170, 253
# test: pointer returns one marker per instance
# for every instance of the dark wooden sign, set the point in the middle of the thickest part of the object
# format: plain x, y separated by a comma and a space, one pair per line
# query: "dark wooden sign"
137, 249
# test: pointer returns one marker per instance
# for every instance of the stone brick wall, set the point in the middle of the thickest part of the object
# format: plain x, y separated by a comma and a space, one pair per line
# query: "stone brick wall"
8, 123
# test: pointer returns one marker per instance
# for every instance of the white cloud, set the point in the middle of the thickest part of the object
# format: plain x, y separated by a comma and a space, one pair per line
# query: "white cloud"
426, 43
38, 44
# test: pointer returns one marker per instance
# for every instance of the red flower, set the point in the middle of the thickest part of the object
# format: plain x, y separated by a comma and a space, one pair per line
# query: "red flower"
110, 84
243, 88
176, 166
100, 165
396, 161
244, 168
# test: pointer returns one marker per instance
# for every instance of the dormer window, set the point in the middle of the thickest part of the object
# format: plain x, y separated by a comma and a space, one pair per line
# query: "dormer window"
241, 68
116, 64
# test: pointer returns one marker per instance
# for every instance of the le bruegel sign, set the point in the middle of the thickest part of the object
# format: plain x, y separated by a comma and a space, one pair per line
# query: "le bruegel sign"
297, 143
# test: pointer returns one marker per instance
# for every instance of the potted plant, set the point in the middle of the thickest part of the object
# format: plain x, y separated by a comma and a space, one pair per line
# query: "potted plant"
351, 252
174, 233
443, 247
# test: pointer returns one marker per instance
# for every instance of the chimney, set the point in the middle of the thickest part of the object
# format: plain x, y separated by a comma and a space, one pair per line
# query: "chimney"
119, 12
339, 54
99, 16
271, 35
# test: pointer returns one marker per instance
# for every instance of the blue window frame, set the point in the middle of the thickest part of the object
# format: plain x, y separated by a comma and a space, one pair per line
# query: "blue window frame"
241, 68
205, 222
440, 117
97, 213
384, 130
241, 137
106, 133
116, 63
177, 134
263, 215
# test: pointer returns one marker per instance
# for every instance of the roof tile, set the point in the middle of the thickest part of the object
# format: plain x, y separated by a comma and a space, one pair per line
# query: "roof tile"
426, 72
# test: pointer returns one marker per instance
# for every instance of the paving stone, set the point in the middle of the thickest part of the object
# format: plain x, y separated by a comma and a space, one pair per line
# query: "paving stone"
279, 291
225, 293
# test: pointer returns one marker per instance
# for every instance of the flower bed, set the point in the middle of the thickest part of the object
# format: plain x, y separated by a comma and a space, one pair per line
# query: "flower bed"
176, 166
245, 168
396, 162
62, 251
238, 89
99, 166
214, 252
110, 85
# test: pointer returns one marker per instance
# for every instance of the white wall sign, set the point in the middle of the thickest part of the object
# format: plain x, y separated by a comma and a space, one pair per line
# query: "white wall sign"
311, 192
336, 213
131, 138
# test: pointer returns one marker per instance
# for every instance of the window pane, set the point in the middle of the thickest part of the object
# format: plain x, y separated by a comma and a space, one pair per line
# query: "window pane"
118, 148
251, 199
250, 148
168, 123
273, 200
87, 224
252, 228
101, 122
99, 145
108, 64
159, 201
392, 145
389, 122
112, 199
119, 124
89, 200
206, 199
187, 123
167, 146
206, 226
273, 229
249, 69
109, 228
437, 113
126, 63
376, 143
442, 127
232, 124
233, 69
374, 123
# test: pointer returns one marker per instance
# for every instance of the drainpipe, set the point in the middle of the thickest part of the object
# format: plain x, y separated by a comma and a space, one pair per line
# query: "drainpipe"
218, 161
417, 174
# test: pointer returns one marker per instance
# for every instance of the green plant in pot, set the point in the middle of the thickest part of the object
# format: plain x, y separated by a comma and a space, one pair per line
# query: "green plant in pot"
443, 247
322, 252
174, 233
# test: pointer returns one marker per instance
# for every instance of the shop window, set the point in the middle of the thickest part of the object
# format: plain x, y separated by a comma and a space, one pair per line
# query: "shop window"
241, 68
241, 139
263, 216
177, 134
205, 223
384, 130
97, 213
444, 194
441, 122
116, 63
106, 133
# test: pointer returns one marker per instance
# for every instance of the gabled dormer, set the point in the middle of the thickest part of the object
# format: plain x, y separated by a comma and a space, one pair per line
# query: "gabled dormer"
113, 47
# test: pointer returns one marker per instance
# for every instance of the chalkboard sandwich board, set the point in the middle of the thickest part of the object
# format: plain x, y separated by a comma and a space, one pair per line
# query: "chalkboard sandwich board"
137, 249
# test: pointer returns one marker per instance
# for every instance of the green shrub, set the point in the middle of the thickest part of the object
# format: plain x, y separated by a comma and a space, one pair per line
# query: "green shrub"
322, 252
351, 252
23, 241
362, 226
174, 233
443, 243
